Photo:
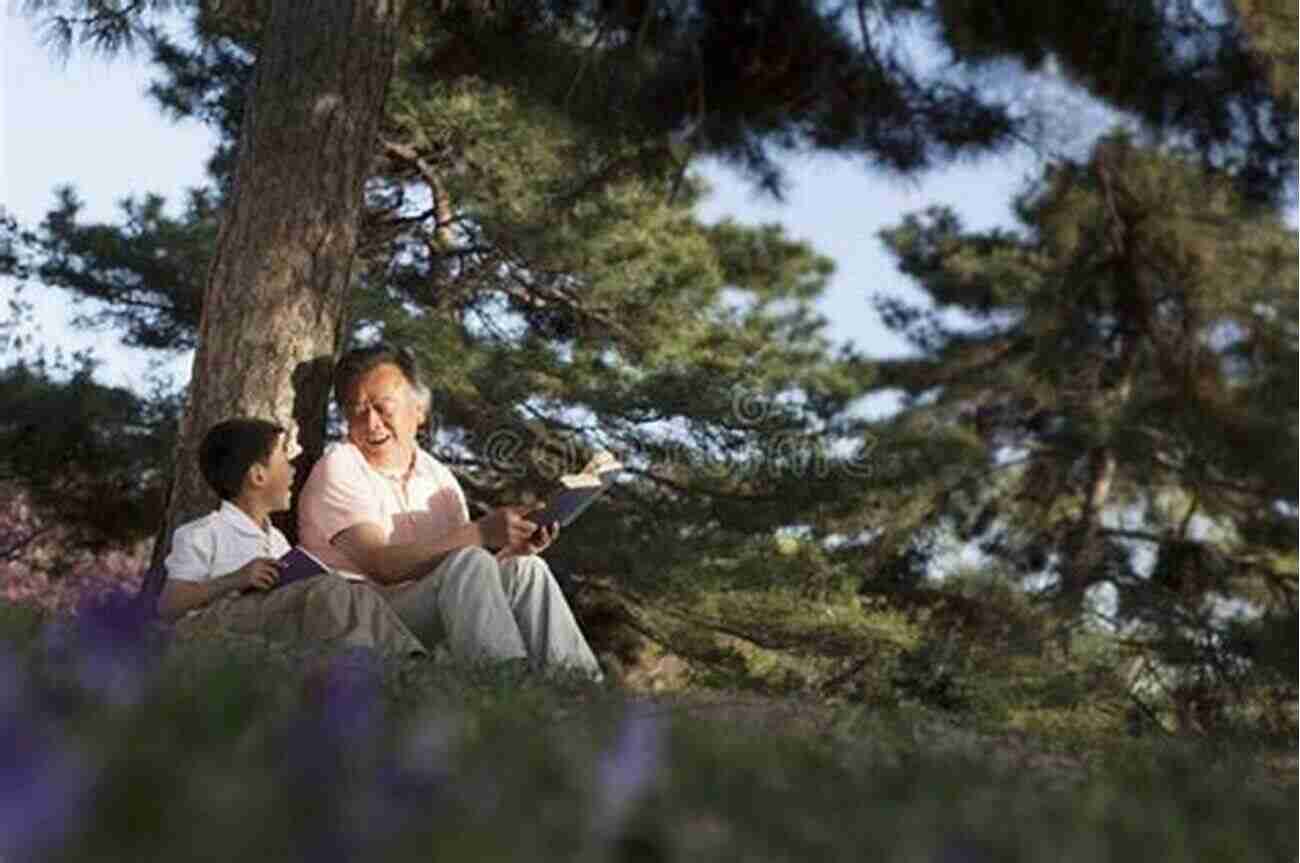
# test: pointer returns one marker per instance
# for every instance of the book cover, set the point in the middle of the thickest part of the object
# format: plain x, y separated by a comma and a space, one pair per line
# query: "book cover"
296, 564
578, 491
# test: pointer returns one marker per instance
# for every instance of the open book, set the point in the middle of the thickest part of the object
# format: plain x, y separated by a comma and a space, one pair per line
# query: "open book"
578, 491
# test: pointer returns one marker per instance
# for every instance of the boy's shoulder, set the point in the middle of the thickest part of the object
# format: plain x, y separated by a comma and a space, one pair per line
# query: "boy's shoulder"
195, 537
222, 522
203, 523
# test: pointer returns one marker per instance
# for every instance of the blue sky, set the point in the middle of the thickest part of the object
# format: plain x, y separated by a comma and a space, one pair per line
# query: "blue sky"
87, 122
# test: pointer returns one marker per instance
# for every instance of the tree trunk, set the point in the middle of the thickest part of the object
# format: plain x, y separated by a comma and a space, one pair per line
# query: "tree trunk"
1083, 555
274, 305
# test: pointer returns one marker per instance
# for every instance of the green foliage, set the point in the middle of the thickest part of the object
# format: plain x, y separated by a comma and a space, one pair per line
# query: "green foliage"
86, 454
144, 277
1272, 26
1190, 72
1124, 373
529, 229
11, 238
737, 81
20, 625
562, 297
746, 81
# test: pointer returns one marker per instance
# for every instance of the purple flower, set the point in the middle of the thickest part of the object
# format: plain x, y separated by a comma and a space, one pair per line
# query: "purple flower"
344, 709
114, 617
112, 647
424, 753
341, 725
349, 693
627, 770
44, 782
411, 780
13, 686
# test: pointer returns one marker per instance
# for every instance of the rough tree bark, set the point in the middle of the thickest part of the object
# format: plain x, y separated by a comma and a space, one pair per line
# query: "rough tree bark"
274, 305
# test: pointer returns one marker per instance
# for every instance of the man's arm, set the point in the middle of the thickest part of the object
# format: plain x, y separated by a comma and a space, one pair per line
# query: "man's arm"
387, 564
179, 596
390, 563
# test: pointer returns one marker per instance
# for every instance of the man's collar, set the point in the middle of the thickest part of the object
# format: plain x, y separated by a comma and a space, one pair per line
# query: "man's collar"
424, 464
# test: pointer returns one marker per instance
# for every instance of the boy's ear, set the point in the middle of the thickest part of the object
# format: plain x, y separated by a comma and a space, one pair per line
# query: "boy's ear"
256, 476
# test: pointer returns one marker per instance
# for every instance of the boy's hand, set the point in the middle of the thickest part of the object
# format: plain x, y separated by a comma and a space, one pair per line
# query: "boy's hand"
260, 573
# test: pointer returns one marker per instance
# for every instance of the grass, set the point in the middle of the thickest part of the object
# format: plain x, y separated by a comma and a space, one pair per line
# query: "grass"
240, 750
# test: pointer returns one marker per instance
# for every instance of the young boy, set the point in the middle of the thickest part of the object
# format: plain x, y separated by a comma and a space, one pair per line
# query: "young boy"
222, 566
234, 548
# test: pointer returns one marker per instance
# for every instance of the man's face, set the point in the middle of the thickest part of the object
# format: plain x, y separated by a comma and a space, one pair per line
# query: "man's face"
383, 415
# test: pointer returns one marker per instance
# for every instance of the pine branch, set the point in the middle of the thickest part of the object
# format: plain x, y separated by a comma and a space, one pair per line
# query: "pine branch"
441, 200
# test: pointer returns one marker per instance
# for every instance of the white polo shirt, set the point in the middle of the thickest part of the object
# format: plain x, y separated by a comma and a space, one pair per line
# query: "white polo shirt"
220, 543
343, 490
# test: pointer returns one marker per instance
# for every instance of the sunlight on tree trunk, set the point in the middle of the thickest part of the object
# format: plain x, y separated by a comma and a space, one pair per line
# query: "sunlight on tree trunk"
274, 304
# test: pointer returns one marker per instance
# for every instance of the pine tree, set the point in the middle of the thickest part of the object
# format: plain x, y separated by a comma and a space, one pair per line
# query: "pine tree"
561, 313
727, 78
1122, 371
1198, 75
454, 239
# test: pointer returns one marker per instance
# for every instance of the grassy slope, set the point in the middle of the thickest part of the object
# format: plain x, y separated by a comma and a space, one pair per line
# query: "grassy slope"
230, 750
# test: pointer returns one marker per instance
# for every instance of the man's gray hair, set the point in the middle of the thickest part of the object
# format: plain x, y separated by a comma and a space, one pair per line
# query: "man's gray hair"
358, 361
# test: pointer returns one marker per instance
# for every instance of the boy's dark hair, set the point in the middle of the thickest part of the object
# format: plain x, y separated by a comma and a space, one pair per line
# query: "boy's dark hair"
356, 362
233, 446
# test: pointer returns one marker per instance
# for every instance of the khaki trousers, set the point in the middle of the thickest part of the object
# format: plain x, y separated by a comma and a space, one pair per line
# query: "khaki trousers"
325, 608
489, 611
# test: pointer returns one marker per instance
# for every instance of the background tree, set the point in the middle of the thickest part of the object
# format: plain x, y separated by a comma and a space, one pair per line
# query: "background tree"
558, 313
78, 460
637, 79
1122, 379
272, 311
722, 78
1202, 76
526, 221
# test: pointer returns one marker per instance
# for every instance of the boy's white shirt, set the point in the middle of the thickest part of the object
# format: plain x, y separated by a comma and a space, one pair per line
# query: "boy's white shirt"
220, 543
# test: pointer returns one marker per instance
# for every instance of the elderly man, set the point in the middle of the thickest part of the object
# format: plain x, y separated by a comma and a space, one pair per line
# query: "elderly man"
378, 504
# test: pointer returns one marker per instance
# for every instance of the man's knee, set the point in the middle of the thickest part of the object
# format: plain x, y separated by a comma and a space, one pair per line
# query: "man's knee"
526, 570
469, 571
470, 559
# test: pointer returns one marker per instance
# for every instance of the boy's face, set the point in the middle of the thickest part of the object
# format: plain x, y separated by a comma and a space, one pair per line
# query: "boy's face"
279, 472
